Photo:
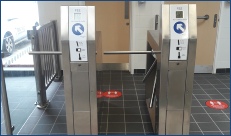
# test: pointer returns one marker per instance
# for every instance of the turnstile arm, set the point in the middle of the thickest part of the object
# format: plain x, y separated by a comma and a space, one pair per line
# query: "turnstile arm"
45, 53
131, 52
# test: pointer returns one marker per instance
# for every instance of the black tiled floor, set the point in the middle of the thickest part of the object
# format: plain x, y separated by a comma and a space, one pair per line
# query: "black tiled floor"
202, 118
124, 115
116, 127
208, 126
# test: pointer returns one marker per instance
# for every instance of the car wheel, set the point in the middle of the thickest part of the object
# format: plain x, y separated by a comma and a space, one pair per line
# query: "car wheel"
8, 44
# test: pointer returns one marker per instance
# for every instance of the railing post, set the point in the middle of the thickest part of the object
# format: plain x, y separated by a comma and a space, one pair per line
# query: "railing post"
5, 105
56, 48
42, 101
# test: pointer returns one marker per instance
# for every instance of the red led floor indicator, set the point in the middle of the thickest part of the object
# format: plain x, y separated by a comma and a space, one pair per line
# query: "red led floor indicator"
99, 94
219, 105
112, 94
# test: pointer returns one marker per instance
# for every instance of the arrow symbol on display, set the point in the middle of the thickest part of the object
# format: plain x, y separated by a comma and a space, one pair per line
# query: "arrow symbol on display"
77, 28
179, 26
219, 103
211, 103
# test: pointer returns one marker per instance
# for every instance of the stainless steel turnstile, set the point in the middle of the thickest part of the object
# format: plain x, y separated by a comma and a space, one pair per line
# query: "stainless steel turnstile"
171, 51
169, 80
79, 68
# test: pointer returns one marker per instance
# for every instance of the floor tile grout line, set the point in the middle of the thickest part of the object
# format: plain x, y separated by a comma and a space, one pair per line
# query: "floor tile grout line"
211, 98
31, 116
125, 128
108, 100
27, 120
222, 88
209, 115
45, 108
56, 119
139, 106
197, 125
10, 111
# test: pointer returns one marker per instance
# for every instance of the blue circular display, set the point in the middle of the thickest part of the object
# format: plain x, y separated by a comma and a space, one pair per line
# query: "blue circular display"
179, 27
77, 29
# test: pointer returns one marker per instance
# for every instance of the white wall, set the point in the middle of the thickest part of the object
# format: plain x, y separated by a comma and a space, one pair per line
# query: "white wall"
142, 19
222, 51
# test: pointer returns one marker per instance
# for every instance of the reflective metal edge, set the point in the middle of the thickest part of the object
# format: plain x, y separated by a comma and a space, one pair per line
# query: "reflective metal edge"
164, 44
64, 22
93, 87
92, 69
154, 45
91, 23
190, 68
112, 66
67, 86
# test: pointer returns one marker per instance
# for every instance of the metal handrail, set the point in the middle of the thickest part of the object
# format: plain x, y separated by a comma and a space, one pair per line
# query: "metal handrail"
205, 17
131, 52
45, 53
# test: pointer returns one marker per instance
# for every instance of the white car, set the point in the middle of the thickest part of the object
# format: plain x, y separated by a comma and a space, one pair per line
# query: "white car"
13, 31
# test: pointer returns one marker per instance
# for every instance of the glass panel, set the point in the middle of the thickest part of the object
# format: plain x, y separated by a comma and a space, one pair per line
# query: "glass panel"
18, 64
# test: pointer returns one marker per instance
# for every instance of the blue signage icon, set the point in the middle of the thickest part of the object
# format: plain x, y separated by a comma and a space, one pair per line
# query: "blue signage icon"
77, 29
179, 27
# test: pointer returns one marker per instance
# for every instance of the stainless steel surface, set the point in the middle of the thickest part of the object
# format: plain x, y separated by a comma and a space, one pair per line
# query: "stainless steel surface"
131, 52
57, 59
92, 70
153, 92
93, 87
67, 86
91, 23
80, 80
176, 89
5, 105
154, 44
164, 44
190, 68
45, 53
64, 13
112, 66
82, 122
205, 17
170, 106
174, 122
38, 71
80, 86
178, 65
148, 73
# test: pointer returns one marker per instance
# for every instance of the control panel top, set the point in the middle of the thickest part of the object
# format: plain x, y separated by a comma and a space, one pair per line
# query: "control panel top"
178, 32
78, 33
